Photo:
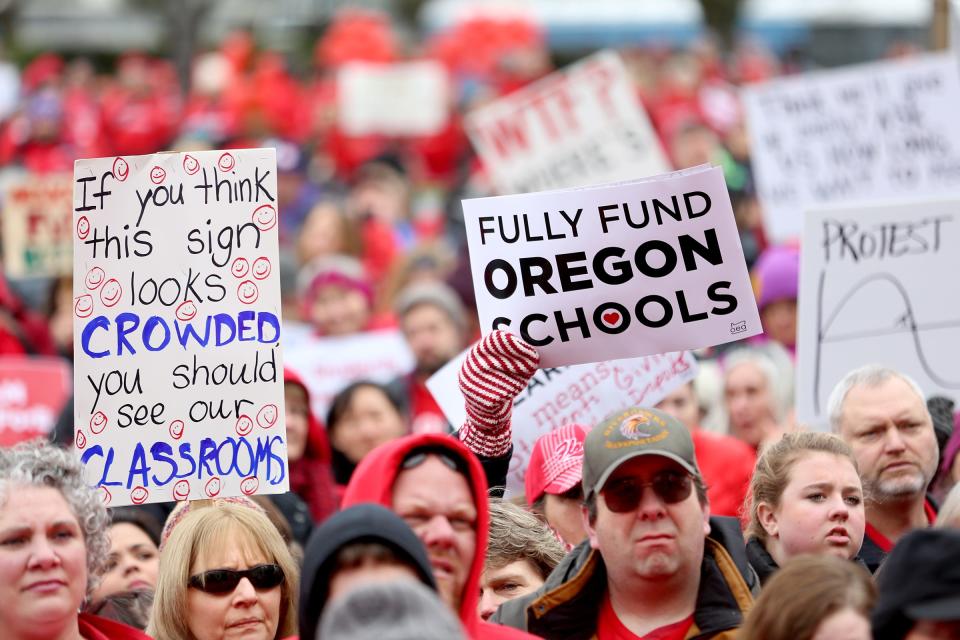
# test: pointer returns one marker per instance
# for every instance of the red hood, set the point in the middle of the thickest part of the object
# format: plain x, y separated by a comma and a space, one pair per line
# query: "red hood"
373, 482
318, 445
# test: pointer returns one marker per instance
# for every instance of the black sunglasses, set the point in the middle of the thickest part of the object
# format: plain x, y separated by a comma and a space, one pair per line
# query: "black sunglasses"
624, 495
262, 577
418, 456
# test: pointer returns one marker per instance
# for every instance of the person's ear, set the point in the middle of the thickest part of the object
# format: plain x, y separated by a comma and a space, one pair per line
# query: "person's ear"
767, 516
706, 518
588, 526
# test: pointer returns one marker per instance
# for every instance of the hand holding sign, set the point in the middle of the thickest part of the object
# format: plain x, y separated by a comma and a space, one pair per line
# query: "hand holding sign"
496, 370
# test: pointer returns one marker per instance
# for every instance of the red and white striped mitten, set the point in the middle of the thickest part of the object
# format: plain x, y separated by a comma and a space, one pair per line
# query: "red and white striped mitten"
496, 370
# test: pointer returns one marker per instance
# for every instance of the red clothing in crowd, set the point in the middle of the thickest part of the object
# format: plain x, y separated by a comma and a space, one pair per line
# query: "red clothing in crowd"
726, 464
609, 627
97, 628
373, 481
311, 477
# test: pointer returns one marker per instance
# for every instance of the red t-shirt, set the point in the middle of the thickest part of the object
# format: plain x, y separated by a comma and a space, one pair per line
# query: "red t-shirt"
883, 542
609, 627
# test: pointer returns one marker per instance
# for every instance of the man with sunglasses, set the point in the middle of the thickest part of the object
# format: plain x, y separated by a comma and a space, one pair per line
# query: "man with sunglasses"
655, 565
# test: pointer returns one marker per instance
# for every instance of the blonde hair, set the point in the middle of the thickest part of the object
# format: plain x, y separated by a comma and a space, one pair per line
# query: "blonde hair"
196, 536
772, 471
803, 593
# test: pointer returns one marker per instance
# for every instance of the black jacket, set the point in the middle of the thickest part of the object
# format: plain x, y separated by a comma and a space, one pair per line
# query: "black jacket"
360, 523
567, 605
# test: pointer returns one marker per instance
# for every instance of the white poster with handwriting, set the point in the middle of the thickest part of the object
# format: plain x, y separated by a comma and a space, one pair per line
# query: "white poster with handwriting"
877, 286
886, 129
613, 271
178, 371
581, 125
583, 394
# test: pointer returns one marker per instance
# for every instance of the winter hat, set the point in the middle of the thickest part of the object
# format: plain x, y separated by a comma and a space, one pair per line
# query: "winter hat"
776, 275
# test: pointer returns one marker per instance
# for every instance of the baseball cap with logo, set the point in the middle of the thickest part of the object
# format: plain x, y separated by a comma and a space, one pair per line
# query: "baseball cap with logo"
632, 433
555, 462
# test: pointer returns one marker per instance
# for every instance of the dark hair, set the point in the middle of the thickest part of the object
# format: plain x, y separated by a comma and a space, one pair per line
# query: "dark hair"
139, 518
341, 402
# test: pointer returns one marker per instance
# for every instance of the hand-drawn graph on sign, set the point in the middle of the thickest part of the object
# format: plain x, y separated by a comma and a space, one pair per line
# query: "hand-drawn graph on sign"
878, 286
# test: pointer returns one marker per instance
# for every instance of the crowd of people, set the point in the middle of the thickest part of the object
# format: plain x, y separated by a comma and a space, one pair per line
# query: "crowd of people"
710, 515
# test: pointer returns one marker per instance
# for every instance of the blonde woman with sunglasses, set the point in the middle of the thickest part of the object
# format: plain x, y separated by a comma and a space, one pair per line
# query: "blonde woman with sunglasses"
224, 570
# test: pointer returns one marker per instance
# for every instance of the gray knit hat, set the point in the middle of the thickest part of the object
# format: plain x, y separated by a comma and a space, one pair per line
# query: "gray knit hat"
394, 610
433, 293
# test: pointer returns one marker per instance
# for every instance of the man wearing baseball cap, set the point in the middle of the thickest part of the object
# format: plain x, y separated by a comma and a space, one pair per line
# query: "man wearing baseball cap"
552, 481
654, 564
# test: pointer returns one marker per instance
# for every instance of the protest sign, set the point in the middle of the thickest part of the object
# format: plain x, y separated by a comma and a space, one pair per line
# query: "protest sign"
879, 130
579, 126
38, 226
327, 365
615, 271
178, 370
402, 99
556, 396
875, 288
32, 394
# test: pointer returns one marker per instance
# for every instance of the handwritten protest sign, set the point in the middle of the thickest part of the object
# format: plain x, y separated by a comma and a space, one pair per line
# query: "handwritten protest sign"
403, 99
579, 126
615, 271
875, 287
178, 371
32, 394
327, 365
583, 394
37, 226
869, 131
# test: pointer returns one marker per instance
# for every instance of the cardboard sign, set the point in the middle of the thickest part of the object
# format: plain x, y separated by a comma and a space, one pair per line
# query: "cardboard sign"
557, 396
876, 287
327, 365
179, 375
579, 126
870, 131
404, 99
614, 271
32, 394
37, 227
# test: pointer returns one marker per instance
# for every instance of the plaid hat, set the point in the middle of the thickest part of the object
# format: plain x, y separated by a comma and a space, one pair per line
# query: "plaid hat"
632, 433
919, 580
555, 462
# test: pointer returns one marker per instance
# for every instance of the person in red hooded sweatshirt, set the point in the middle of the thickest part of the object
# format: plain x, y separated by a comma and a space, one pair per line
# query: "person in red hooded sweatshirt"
308, 451
439, 485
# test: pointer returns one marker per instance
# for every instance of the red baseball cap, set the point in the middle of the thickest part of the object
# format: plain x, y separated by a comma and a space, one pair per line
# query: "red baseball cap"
556, 462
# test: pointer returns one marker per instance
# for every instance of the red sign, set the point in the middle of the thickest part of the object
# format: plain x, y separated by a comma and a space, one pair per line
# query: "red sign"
32, 394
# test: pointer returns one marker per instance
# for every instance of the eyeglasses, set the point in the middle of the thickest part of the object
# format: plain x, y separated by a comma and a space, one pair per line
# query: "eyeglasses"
262, 577
625, 494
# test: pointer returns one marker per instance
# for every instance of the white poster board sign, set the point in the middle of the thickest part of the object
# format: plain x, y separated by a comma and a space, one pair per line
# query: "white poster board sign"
583, 394
873, 131
327, 365
579, 126
178, 371
613, 271
876, 287
401, 99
